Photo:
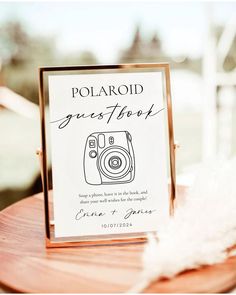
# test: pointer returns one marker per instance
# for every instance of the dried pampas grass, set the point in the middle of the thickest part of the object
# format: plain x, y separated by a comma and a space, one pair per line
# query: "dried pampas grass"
201, 231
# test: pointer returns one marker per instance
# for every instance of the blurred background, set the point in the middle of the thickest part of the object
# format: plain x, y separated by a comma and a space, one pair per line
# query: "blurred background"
198, 39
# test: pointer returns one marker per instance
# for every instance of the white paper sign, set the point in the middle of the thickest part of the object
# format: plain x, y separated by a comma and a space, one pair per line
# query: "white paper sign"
109, 153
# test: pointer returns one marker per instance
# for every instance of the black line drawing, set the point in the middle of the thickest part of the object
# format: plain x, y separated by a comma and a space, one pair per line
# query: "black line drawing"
109, 158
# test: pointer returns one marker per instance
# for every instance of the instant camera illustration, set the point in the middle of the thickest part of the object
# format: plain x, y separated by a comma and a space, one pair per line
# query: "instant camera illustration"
109, 158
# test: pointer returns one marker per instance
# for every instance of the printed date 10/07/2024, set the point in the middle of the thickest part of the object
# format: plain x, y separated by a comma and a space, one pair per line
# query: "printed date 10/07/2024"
112, 225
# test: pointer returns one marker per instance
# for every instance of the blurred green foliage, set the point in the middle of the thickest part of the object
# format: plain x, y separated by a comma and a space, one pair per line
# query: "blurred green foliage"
22, 53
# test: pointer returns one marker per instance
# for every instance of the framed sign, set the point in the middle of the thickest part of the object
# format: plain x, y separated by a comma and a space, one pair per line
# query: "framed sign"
107, 134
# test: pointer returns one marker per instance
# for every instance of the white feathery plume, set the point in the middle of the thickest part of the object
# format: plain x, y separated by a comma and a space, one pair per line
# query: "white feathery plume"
201, 231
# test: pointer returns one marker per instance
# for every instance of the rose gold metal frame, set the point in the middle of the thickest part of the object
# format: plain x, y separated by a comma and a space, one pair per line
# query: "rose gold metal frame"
42, 153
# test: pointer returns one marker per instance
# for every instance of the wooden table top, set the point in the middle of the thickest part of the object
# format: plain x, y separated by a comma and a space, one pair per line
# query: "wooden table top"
27, 266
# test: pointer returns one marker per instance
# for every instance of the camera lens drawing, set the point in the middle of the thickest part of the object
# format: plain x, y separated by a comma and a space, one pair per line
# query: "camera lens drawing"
115, 162
109, 158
